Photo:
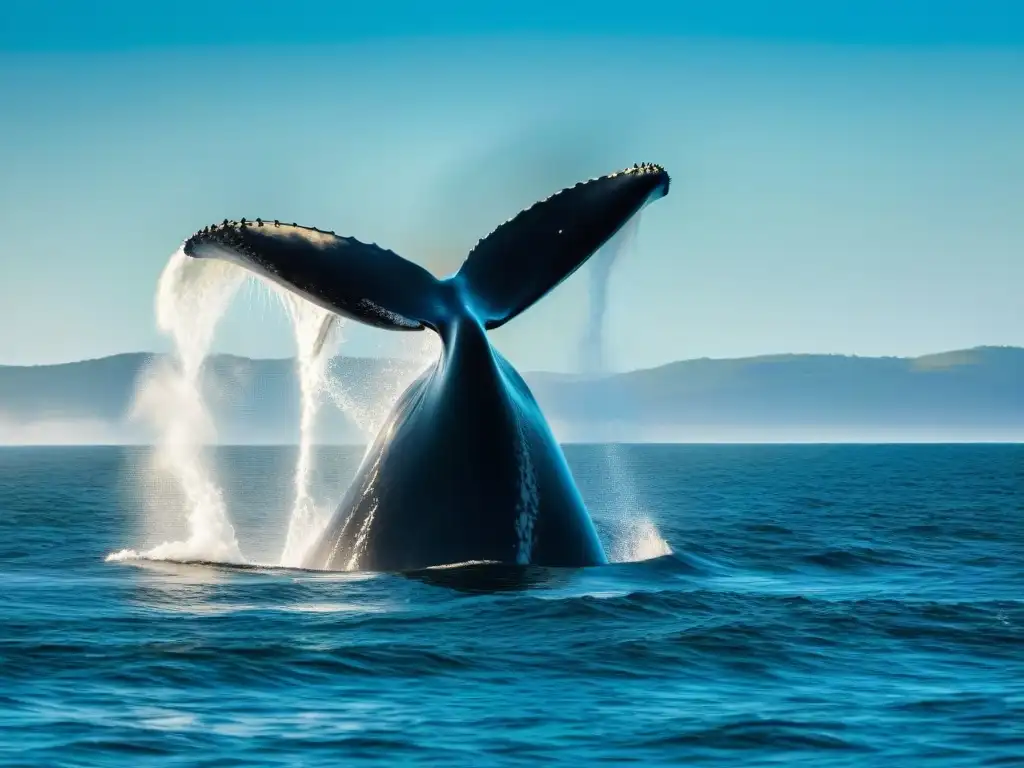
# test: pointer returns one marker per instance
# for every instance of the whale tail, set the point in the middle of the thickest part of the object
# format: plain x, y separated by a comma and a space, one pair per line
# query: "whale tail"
507, 271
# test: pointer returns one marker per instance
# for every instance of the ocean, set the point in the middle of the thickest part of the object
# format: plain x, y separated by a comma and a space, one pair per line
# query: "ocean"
821, 605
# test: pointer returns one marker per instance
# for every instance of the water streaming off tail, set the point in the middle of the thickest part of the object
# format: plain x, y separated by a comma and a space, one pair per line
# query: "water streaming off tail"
633, 534
593, 353
192, 295
308, 517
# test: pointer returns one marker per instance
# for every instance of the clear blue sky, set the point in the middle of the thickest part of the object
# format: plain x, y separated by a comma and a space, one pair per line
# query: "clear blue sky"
848, 177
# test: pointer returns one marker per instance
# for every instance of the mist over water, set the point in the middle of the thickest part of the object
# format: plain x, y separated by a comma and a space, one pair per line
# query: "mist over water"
423, 349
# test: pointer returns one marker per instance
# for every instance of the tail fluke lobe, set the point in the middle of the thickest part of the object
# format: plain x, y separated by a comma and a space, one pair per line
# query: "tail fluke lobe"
528, 255
510, 269
357, 280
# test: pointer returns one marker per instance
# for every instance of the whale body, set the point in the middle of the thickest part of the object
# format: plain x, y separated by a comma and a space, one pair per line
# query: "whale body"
465, 468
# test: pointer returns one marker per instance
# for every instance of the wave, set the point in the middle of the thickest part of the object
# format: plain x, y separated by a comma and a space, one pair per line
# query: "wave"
853, 558
756, 735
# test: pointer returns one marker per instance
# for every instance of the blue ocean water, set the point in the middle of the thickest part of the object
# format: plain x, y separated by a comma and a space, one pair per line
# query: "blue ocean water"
823, 605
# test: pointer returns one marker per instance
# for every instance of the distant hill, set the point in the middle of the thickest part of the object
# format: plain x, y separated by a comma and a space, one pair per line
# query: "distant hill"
975, 394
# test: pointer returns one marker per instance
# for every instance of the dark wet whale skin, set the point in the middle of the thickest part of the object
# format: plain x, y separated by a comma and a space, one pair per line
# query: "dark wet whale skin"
466, 468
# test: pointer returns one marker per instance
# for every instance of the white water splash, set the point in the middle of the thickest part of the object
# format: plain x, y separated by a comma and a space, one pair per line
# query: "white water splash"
636, 539
634, 536
308, 518
192, 295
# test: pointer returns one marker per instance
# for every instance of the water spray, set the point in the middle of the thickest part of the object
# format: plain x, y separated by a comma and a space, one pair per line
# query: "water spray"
191, 298
634, 535
314, 329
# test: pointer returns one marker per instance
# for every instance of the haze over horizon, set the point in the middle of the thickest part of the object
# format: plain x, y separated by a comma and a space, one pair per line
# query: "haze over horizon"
965, 396
409, 352
845, 180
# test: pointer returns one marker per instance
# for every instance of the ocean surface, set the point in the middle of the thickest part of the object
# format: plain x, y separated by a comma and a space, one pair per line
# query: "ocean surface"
821, 606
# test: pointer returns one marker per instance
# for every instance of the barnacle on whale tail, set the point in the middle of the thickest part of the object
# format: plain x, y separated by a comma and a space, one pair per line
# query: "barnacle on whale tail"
505, 272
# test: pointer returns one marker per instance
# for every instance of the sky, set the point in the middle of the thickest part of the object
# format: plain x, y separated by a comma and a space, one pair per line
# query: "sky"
847, 177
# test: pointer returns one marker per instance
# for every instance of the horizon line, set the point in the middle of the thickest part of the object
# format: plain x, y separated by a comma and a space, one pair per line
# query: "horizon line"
574, 443
703, 358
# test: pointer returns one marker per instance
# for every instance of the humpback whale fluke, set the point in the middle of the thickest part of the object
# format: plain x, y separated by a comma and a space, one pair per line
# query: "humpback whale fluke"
465, 468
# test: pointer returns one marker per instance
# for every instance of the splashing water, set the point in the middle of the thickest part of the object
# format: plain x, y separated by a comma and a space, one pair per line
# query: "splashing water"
192, 295
634, 535
631, 534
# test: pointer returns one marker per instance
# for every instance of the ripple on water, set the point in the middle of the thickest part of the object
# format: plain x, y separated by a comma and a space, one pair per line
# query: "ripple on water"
881, 623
